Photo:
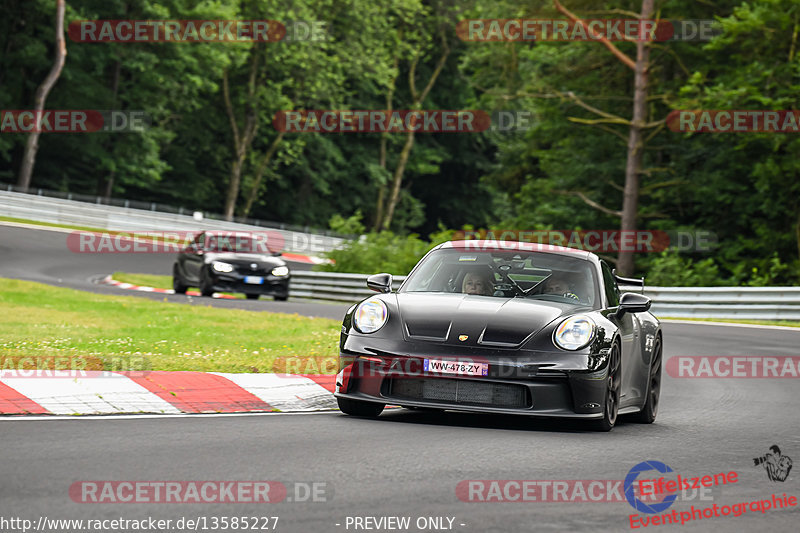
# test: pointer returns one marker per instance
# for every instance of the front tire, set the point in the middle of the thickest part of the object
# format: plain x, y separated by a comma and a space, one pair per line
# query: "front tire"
613, 382
650, 409
359, 408
281, 298
177, 283
206, 288
252, 296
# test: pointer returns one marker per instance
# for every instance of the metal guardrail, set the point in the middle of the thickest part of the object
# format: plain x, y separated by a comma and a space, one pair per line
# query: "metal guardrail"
115, 218
766, 303
163, 208
333, 285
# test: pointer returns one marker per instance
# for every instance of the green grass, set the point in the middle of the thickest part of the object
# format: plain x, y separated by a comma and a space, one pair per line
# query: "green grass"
145, 280
787, 323
125, 332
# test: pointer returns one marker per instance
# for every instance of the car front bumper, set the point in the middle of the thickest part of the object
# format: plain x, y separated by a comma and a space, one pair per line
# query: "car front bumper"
532, 384
233, 282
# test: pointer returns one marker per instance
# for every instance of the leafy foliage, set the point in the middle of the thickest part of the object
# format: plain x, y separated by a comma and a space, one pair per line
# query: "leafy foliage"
563, 173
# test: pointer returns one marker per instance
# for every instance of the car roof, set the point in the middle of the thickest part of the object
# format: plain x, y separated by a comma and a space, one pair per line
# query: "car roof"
505, 246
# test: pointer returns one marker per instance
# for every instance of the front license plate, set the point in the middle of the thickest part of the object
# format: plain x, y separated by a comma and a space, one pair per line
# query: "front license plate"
456, 367
254, 280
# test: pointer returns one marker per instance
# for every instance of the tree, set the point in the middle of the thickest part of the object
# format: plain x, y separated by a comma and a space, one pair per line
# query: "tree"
32, 146
635, 148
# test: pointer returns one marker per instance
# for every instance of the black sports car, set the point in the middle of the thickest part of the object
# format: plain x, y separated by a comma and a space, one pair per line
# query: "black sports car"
219, 261
515, 328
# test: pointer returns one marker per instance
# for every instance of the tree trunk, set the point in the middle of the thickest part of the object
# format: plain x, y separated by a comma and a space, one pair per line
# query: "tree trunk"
109, 187
630, 201
379, 208
233, 185
251, 198
417, 99
105, 184
241, 140
32, 145
797, 233
397, 179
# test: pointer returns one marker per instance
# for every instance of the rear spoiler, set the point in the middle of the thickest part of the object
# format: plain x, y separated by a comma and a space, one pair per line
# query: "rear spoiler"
631, 282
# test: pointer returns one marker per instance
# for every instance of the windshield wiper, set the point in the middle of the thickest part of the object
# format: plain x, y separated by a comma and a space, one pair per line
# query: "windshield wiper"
521, 292
530, 290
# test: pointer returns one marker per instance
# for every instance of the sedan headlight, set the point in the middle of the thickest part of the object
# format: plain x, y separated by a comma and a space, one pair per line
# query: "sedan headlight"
574, 333
219, 266
280, 271
370, 316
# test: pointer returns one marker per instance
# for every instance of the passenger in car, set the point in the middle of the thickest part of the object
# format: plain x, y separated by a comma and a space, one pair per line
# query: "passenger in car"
477, 282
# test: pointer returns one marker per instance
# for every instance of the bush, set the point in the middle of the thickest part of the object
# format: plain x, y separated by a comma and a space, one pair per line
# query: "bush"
378, 252
670, 269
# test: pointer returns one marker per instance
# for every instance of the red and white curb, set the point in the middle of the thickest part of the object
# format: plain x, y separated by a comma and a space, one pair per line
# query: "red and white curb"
108, 280
97, 392
308, 259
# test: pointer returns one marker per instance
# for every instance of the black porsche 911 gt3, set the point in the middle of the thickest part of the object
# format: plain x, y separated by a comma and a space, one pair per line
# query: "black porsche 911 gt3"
516, 328
219, 261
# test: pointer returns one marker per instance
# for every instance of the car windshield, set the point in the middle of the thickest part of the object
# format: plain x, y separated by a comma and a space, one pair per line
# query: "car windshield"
506, 274
237, 243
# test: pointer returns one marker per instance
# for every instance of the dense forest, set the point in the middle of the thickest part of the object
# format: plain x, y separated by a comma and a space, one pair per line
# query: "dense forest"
211, 143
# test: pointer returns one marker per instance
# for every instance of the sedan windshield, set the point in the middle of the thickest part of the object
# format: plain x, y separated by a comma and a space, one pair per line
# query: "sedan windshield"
236, 242
506, 274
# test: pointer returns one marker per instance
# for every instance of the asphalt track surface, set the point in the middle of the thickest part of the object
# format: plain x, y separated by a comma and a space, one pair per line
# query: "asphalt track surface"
43, 256
409, 463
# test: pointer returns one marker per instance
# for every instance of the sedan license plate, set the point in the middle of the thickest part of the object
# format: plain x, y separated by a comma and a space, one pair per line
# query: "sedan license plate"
254, 280
456, 367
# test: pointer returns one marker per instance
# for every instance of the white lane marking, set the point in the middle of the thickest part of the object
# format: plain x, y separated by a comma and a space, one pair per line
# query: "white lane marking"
150, 416
732, 324
286, 392
95, 394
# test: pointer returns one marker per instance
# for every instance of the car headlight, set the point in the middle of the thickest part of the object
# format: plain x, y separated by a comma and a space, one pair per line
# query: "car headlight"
219, 266
370, 316
280, 271
574, 333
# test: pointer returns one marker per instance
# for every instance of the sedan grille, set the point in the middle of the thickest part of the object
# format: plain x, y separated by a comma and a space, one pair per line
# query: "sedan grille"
461, 391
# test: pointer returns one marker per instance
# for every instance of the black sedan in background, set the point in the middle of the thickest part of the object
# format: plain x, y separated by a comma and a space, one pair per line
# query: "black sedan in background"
239, 262
522, 329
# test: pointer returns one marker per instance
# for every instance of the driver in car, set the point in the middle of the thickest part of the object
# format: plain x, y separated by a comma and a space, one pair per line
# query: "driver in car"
559, 286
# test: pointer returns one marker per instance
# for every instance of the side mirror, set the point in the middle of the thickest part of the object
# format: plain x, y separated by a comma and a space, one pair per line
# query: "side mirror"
380, 282
630, 302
